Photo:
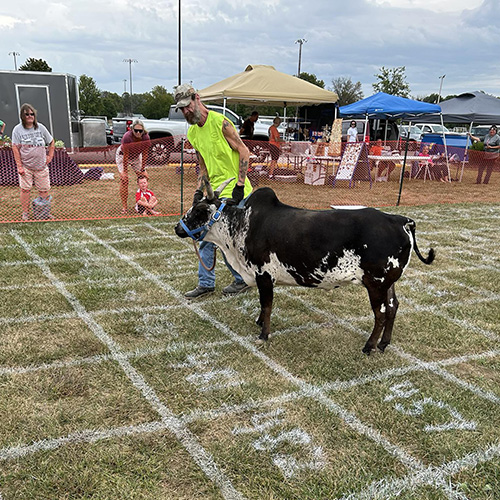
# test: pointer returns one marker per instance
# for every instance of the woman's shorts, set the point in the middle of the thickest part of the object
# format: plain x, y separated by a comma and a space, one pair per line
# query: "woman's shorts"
275, 152
40, 178
135, 163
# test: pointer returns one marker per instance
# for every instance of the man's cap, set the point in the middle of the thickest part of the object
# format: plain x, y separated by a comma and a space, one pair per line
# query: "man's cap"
183, 95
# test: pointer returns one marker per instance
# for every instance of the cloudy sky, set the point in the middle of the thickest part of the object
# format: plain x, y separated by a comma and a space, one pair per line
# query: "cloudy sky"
350, 38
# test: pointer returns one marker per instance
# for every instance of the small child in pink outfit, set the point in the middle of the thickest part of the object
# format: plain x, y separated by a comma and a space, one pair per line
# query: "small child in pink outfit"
145, 200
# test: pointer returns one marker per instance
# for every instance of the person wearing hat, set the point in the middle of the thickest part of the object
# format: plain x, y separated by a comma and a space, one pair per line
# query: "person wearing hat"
222, 155
491, 152
247, 128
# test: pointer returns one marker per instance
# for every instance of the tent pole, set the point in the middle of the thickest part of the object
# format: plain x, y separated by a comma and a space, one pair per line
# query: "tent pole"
284, 121
465, 151
404, 165
445, 149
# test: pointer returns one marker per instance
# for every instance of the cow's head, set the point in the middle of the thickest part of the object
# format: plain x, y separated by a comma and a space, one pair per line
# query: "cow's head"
198, 220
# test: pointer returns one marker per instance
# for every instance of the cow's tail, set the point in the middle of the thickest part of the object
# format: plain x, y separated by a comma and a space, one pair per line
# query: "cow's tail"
430, 256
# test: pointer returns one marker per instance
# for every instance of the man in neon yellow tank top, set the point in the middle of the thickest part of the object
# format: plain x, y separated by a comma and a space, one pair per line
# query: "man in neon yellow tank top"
221, 154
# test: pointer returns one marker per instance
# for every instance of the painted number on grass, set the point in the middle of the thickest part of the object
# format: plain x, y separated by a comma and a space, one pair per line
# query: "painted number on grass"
312, 457
406, 390
206, 378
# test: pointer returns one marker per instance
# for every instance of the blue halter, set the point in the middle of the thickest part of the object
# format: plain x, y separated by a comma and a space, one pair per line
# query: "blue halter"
199, 233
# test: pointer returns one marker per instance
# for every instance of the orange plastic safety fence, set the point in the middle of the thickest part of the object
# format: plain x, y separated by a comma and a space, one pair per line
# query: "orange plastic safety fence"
98, 183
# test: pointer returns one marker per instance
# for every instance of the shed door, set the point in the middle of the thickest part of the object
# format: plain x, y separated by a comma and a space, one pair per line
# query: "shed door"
38, 96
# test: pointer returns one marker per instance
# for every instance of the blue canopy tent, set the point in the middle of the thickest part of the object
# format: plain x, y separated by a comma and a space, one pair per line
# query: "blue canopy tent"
385, 106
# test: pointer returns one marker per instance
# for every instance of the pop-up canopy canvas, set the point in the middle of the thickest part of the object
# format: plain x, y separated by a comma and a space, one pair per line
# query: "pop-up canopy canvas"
470, 107
260, 84
384, 106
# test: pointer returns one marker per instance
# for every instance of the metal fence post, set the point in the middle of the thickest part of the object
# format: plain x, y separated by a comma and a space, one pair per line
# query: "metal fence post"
182, 175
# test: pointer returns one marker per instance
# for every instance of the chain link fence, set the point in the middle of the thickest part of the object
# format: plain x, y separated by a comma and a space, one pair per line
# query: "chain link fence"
86, 183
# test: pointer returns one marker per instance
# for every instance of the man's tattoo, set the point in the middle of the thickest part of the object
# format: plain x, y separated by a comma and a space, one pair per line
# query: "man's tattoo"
243, 168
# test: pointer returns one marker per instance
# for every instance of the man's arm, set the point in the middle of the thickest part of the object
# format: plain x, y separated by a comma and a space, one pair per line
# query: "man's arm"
203, 173
236, 144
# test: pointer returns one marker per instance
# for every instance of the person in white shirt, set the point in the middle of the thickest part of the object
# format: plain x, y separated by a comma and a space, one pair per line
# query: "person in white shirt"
29, 139
352, 132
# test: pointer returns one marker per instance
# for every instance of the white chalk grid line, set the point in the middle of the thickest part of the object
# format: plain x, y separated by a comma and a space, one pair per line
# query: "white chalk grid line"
305, 389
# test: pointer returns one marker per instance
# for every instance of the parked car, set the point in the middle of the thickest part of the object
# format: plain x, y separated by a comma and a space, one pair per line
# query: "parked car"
432, 128
414, 134
482, 131
109, 134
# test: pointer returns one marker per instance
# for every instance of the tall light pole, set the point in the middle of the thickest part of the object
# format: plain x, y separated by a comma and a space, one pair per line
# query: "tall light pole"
300, 41
124, 85
130, 61
440, 87
15, 61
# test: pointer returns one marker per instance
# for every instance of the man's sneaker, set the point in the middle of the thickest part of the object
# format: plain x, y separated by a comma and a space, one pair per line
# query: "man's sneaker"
235, 288
199, 291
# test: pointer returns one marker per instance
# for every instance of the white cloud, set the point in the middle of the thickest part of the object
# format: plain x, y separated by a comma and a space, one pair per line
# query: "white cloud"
219, 38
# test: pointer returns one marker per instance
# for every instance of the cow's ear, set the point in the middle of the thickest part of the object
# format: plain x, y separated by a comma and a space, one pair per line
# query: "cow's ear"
221, 188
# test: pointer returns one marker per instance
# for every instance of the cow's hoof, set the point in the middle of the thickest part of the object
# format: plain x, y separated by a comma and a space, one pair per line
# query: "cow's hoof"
260, 341
381, 347
368, 350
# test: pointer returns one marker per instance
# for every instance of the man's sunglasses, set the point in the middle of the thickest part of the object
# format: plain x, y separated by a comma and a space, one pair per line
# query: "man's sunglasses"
138, 130
29, 114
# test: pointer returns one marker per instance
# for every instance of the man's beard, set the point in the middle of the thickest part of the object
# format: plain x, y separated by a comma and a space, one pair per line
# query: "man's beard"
193, 118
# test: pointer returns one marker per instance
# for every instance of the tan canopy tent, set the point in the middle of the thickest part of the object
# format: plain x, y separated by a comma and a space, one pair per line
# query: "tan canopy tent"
260, 84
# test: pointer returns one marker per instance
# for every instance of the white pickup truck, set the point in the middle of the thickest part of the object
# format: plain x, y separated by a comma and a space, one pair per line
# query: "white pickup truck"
175, 125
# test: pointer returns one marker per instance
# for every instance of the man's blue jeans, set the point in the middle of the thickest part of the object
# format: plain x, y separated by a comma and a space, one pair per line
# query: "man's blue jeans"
206, 278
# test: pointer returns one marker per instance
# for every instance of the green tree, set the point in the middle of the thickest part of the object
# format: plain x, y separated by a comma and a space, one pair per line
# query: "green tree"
126, 103
392, 81
432, 98
138, 103
311, 78
347, 91
157, 103
33, 64
89, 99
111, 104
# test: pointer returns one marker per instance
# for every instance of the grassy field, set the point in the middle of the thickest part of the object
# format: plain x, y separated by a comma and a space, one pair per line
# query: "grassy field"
112, 386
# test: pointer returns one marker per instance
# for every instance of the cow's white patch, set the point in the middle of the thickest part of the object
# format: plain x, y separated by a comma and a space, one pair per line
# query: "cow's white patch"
347, 270
382, 308
392, 262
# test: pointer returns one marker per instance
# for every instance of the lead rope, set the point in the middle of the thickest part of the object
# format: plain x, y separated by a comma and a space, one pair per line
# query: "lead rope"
201, 261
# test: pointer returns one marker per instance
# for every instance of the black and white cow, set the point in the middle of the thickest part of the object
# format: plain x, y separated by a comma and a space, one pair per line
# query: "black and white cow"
270, 243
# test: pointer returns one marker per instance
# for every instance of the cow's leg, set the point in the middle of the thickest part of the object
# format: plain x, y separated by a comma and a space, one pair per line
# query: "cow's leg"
265, 286
378, 297
392, 305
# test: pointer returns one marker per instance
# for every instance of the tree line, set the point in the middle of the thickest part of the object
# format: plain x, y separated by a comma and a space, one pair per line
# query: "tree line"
156, 103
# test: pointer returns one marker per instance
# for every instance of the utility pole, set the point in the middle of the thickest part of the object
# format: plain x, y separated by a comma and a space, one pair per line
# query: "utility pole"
440, 87
15, 61
130, 61
300, 41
